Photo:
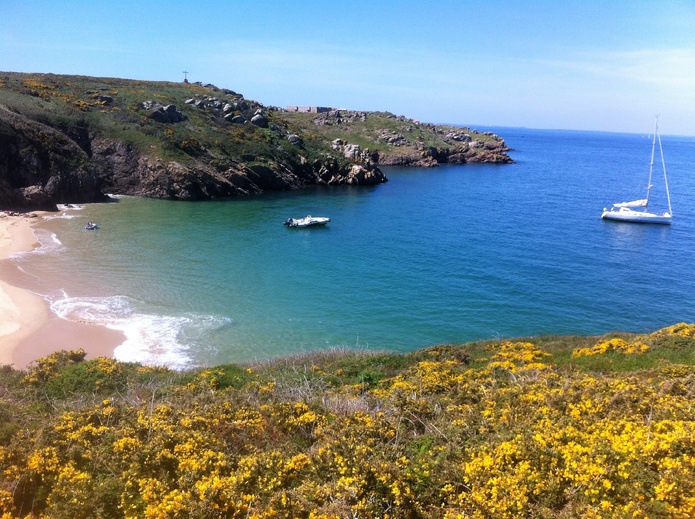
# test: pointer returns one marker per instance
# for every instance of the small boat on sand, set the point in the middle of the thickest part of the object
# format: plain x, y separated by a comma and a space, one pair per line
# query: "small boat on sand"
308, 221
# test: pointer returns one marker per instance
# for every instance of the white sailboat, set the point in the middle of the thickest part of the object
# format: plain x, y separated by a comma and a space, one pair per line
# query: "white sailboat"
637, 211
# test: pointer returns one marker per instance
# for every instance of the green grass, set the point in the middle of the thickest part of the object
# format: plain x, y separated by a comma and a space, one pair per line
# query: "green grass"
205, 144
67, 101
443, 429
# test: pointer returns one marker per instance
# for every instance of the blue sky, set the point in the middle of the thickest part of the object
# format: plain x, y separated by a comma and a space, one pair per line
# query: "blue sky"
588, 65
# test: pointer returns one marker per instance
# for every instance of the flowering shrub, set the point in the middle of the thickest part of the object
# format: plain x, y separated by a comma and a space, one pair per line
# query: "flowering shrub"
48, 90
50, 367
616, 344
513, 436
516, 355
680, 329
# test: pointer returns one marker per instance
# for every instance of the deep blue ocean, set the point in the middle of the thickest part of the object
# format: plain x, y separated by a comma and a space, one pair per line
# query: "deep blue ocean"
442, 255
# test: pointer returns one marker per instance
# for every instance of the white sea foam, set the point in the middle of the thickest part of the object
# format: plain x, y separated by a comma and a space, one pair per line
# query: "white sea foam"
63, 216
151, 339
65, 212
69, 207
49, 241
48, 244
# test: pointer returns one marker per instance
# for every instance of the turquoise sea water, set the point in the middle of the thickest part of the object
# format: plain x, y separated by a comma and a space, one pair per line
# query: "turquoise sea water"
451, 254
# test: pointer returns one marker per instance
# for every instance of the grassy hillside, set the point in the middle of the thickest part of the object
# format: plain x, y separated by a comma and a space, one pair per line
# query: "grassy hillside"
393, 137
534, 428
114, 107
73, 138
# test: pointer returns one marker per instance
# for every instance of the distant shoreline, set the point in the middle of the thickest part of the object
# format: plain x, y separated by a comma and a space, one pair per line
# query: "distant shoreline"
28, 328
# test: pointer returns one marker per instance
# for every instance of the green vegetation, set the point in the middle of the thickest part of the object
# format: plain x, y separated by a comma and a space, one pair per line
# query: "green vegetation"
72, 139
113, 108
373, 130
533, 428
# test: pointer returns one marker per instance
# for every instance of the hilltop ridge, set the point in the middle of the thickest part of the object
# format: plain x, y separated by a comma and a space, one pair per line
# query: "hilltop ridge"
72, 139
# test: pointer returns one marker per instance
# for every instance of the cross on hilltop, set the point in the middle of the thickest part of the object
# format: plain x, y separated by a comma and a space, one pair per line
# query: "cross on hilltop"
185, 76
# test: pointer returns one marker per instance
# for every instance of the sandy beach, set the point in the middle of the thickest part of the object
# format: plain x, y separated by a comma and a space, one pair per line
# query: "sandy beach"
28, 329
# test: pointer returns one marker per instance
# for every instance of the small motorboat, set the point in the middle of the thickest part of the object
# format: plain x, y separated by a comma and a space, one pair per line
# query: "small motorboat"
91, 226
308, 221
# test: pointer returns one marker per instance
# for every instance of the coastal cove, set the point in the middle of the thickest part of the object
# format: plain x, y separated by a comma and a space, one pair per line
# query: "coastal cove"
436, 255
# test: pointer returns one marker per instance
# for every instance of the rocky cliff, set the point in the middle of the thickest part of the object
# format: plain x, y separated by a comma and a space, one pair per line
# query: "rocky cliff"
71, 139
40, 165
399, 141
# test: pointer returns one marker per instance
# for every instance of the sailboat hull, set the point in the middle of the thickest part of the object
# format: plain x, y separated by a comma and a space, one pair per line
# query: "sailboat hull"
628, 215
628, 211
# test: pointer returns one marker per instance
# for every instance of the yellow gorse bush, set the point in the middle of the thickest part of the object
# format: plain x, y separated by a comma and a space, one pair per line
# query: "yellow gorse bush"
513, 436
615, 344
515, 356
680, 329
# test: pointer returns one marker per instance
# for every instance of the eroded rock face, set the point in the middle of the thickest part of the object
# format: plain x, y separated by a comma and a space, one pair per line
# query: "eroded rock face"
117, 168
405, 146
351, 151
331, 173
41, 166
359, 175
354, 153
463, 152
61, 142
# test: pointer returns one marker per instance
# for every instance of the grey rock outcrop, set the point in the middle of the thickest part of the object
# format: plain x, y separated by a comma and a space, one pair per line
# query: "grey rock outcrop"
360, 175
259, 119
167, 114
295, 140
41, 166
236, 119
392, 138
354, 153
351, 151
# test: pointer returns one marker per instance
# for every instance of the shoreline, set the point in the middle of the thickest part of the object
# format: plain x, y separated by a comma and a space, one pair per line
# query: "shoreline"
28, 328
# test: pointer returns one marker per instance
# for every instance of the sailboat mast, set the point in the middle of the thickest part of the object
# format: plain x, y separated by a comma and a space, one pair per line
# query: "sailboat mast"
651, 162
663, 164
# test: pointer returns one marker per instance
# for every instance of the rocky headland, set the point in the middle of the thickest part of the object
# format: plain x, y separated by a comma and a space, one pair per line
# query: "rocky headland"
72, 139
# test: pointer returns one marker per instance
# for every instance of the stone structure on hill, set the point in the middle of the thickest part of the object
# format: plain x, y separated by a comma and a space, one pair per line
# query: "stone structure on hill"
309, 109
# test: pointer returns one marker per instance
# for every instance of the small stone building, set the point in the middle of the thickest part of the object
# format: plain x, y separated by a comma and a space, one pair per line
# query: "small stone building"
309, 109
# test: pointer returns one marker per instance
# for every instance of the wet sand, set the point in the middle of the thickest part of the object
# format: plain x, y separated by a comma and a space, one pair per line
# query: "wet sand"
28, 329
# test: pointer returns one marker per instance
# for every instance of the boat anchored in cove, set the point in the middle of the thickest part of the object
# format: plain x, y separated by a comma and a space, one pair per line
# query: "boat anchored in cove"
637, 211
308, 221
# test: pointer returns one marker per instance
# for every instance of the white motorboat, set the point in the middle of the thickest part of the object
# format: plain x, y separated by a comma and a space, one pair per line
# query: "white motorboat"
308, 221
637, 211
